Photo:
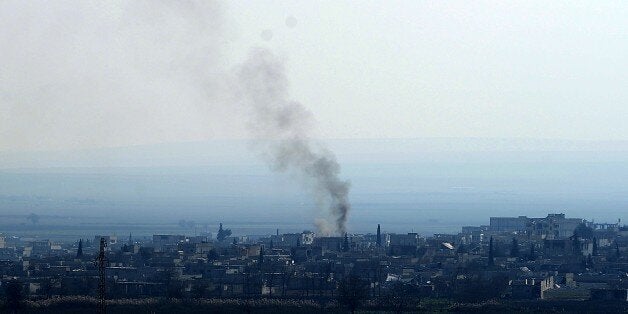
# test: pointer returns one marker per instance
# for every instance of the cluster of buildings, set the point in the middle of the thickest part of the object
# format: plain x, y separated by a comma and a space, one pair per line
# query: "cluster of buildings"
550, 258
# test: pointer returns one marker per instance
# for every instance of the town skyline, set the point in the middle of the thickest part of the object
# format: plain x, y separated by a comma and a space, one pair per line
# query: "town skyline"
280, 156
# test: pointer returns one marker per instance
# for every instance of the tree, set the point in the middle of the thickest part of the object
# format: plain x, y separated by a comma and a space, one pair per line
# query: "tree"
174, 287
268, 278
199, 290
532, 255
379, 236
491, 252
595, 247
223, 233
79, 251
46, 288
575, 243
13, 295
514, 248
261, 256
286, 276
351, 292
479, 288
401, 296
461, 249
146, 253
212, 255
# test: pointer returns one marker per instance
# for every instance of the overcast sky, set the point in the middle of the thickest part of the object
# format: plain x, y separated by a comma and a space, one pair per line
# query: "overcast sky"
77, 74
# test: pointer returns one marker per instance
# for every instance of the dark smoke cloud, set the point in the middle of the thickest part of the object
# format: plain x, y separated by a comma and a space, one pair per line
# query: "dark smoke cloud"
283, 129
84, 74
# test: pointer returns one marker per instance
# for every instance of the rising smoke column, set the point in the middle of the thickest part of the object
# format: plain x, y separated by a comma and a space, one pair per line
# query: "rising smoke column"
283, 129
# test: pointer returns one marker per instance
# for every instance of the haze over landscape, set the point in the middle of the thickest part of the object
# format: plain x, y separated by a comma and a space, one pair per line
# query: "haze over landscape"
439, 115
425, 185
278, 156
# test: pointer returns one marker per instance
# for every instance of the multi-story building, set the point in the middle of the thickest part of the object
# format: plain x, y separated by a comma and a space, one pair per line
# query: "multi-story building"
509, 224
554, 226
162, 242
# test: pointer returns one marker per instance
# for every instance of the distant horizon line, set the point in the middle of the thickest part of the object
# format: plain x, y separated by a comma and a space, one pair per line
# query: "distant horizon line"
323, 139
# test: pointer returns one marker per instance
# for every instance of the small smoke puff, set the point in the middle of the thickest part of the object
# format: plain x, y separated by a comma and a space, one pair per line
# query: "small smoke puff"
267, 34
291, 21
324, 229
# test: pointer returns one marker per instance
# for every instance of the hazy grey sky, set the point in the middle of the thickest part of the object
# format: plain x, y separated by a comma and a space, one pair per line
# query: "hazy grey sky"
77, 74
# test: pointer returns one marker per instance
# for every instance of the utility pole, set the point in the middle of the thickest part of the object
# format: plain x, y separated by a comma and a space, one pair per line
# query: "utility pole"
101, 262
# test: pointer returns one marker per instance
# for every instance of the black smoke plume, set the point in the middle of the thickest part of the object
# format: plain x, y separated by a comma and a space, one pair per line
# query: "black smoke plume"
282, 128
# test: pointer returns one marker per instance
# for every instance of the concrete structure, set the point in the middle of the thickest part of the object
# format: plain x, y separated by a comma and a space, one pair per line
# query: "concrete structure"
329, 243
554, 226
531, 288
508, 224
162, 242
410, 239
